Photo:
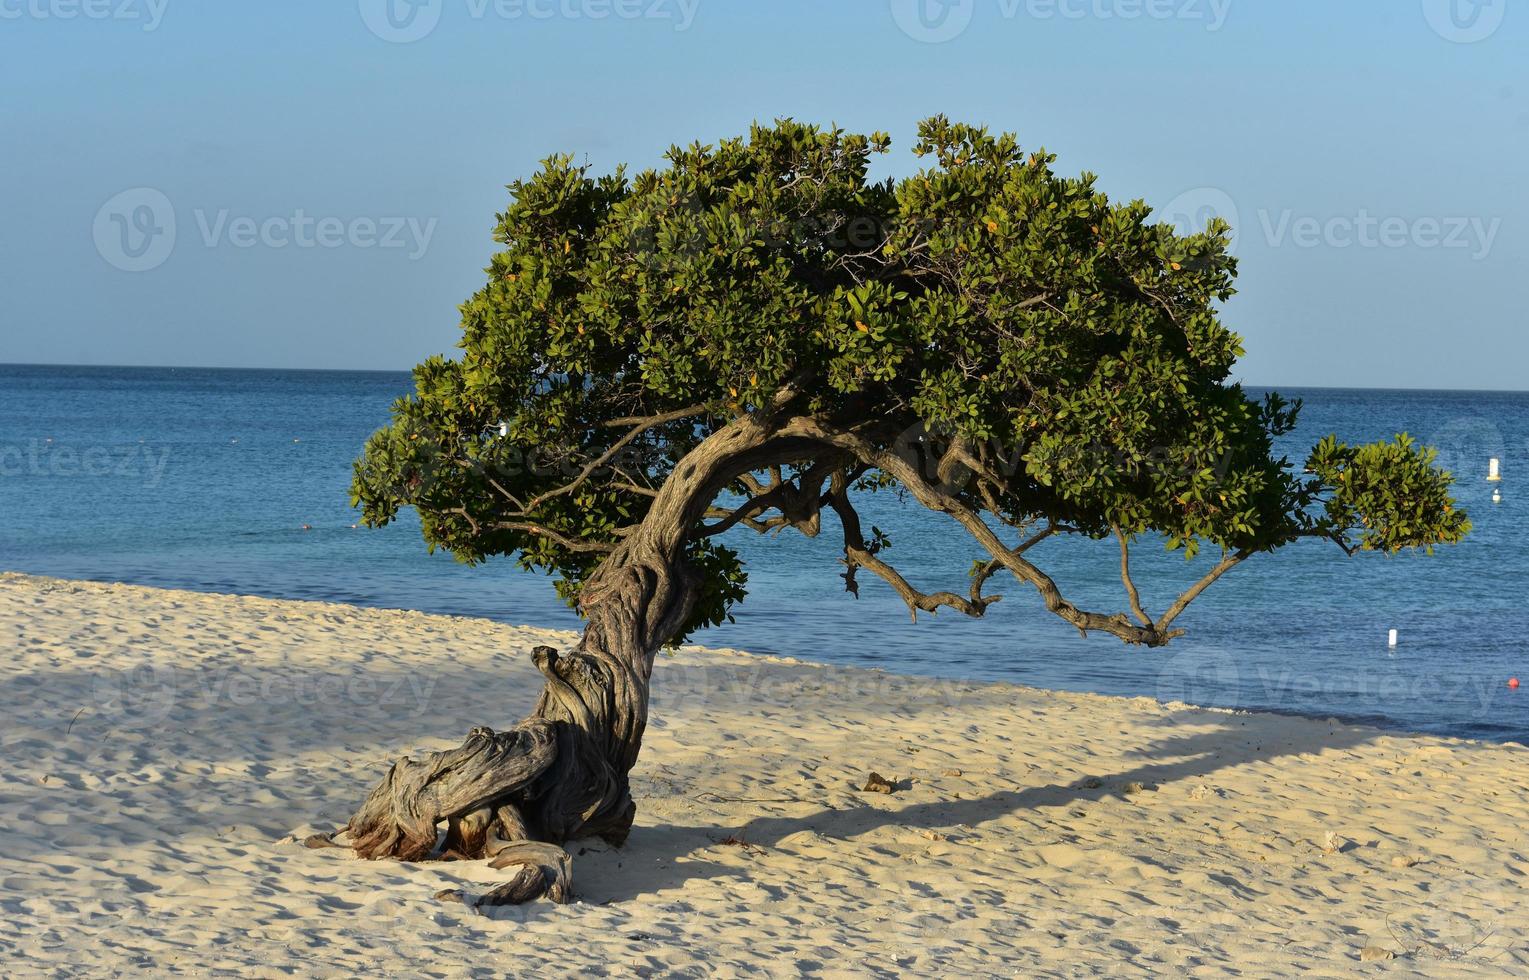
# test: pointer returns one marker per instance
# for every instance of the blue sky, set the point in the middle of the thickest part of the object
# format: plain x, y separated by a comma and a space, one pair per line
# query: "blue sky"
332, 175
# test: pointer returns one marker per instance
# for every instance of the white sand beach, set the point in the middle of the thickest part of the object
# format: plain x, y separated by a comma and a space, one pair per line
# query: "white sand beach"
166, 750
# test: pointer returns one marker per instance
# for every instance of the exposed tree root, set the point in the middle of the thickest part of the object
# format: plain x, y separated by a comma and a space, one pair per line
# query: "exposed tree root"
514, 797
543, 869
399, 818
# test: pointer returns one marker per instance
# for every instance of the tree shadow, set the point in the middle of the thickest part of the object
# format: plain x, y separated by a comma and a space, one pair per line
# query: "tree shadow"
670, 856
268, 767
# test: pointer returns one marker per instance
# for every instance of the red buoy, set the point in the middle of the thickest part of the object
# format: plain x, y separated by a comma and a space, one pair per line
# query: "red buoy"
1513, 683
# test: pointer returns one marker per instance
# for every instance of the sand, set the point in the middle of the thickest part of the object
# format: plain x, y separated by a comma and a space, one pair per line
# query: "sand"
164, 750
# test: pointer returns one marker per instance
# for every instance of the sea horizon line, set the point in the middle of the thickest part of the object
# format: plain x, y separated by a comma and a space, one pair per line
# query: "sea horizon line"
1260, 385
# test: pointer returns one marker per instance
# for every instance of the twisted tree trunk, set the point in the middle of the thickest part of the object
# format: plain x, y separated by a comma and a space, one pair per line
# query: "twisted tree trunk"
562, 773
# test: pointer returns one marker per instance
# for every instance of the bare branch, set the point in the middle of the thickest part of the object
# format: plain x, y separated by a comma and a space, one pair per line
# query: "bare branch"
478, 467
1125, 577
645, 422
640, 426
937, 499
1226, 564
800, 502
462, 513
562, 540
780, 496
994, 565
1336, 536
857, 554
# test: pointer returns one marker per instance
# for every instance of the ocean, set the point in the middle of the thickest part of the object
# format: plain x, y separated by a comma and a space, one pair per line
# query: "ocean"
204, 479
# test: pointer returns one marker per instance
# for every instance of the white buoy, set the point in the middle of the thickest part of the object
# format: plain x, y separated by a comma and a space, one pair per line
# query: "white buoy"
1391, 640
1496, 496
1494, 469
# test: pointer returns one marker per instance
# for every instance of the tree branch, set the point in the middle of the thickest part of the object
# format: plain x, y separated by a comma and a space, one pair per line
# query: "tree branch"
799, 501
1226, 564
638, 428
1125, 577
994, 565
857, 554
1152, 634
644, 422
779, 496
562, 540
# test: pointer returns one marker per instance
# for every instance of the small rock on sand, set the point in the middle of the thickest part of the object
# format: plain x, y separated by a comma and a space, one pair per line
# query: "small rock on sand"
1372, 953
877, 783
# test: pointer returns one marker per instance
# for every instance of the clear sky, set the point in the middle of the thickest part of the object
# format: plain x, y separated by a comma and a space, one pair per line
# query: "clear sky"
330, 170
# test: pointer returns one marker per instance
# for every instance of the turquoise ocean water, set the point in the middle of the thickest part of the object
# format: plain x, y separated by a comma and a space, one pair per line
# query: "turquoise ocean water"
204, 479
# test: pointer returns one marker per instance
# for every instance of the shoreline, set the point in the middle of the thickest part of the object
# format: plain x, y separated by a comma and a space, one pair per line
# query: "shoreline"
170, 748
1376, 722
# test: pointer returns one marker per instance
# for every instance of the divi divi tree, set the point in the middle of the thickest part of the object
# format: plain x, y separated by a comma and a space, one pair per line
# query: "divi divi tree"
757, 333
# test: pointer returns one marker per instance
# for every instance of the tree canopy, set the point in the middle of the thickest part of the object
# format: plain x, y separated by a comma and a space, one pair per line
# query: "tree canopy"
1004, 344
